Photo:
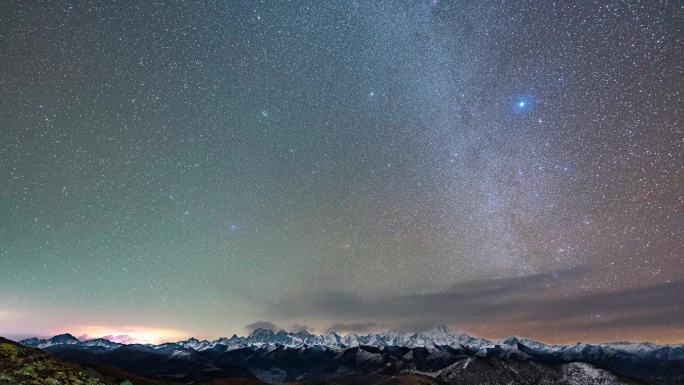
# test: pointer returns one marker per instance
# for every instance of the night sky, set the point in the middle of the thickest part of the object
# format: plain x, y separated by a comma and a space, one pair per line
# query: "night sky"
201, 168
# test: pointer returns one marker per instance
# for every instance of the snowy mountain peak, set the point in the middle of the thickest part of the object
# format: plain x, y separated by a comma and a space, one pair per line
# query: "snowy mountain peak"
511, 341
101, 342
261, 335
65, 338
60, 339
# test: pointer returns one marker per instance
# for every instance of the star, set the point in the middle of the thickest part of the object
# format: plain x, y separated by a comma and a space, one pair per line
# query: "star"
522, 104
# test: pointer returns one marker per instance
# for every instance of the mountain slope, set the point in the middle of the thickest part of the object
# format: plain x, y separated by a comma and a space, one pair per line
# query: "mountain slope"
23, 365
493, 371
380, 379
179, 364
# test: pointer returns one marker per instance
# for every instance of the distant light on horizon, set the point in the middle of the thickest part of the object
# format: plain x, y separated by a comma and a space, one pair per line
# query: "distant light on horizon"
125, 334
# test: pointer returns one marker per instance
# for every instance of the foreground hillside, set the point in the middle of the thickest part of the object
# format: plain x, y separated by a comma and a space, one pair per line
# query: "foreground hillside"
24, 365
21, 365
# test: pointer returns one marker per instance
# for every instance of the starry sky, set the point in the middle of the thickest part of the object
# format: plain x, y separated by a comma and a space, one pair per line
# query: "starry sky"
170, 169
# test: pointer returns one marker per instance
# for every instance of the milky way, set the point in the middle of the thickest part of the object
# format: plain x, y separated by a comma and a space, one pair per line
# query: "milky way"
191, 168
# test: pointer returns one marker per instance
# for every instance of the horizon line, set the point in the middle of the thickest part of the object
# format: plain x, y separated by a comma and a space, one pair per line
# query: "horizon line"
86, 338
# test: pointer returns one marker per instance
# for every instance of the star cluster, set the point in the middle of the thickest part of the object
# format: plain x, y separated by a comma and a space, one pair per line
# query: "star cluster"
196, 166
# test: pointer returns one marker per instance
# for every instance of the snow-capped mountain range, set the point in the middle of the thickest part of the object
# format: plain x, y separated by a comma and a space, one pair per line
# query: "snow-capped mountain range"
440, 353
511, 347
440, 336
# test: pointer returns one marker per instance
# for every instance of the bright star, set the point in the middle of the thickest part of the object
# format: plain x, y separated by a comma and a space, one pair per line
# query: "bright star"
522, 104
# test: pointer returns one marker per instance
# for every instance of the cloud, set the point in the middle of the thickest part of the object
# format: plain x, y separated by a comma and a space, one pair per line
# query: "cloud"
358, 327
121, 338
466, 301
261, 325
299, 328
419, 325
552, 299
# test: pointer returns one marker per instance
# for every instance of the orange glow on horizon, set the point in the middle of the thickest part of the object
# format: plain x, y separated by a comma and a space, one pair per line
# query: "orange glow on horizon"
126, 333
